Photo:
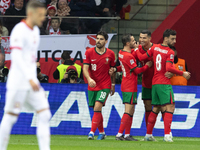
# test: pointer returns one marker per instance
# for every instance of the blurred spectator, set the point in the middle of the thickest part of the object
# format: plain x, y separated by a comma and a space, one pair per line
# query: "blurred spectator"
55, 24
3, 29
16, 10
51, 12
85, 8
180, 64
51, 2
43, 78
71, 76
119, 4
61, 69
103, 9
67, 25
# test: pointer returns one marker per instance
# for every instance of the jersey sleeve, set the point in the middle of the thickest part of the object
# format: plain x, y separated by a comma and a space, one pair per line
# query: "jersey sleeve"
113, 61
170, 57
130, 61
87, 60
16, 38
134, 53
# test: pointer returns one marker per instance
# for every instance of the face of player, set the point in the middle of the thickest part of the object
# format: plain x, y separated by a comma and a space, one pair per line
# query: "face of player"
51, 12
19, 4
144, 39
171, 40
55, 24
38, 16
132, 43
100, 41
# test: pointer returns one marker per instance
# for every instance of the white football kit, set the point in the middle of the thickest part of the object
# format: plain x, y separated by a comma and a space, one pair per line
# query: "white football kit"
24, 43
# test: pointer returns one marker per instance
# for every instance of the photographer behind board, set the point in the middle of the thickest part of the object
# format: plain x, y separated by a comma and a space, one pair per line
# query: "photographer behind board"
43, 78
71, 76
3, 69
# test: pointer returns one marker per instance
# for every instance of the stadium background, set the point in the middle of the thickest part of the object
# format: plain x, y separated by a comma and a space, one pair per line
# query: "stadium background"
185, 20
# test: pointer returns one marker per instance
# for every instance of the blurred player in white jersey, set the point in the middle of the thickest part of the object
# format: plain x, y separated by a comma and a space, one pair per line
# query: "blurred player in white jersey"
23, 87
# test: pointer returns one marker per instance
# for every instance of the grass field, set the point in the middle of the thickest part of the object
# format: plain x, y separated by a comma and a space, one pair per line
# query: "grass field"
60, 142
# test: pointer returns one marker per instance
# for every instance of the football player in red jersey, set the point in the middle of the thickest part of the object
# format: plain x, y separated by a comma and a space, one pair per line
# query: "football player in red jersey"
97, 63
129, 68
162, 93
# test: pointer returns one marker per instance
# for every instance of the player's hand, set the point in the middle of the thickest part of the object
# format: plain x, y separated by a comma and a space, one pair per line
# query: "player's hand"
91, 82
186, 75
169, 75
34, 86
112, 91
112, 70
149, 63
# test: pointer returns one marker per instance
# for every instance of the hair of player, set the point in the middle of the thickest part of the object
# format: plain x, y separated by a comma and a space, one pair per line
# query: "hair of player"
104, 34
65, 55
146, 32
168, 32
55, 19
126, 38
34, 4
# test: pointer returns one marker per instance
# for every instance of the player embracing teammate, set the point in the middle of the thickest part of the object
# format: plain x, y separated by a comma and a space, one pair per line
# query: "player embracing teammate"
162, 93
97, 63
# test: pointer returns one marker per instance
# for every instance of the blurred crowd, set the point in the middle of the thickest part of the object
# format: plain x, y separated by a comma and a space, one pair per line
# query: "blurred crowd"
55, 24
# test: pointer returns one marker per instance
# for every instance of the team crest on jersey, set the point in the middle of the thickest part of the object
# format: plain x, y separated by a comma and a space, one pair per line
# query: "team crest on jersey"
132, 61
171, 56
107, 59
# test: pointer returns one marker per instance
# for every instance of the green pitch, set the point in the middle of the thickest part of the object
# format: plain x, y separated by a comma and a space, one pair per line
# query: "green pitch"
60, 142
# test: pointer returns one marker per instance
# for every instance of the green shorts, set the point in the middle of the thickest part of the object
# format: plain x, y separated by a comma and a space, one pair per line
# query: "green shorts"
129, 97
162, 94
146, 93
99, 96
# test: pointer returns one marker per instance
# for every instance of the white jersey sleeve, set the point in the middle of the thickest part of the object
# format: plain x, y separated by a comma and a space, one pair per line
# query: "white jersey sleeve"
17, 42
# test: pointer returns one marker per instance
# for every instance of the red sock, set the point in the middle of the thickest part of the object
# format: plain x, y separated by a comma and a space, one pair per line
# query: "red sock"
151, 122
168, 122
100, 127
147, 113
95, 121
128, 125
123, 124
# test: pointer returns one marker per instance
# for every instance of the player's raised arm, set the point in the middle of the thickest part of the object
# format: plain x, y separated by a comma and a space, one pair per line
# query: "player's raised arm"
171, 68
145, 56
137, 70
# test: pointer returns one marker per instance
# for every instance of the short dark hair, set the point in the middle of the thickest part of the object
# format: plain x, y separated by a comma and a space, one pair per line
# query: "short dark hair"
146, 32
104, 34
126, 38
55, 19
65, 55
35, 4
168, 32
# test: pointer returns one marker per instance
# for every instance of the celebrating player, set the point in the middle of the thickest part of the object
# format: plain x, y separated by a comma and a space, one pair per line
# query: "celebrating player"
23, 85
96, 70
162, 93
129, 68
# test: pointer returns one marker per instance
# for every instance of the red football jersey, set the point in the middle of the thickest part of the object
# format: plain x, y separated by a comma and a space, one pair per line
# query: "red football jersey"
129, 78
147, 76
99, 67
161, 55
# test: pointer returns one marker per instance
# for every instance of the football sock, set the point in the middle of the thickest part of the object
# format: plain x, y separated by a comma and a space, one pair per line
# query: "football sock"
128, 125
147, 113
123, 124
126, 135
167, 122
43, 130
96, 119
100, 127
6, 126
151, 122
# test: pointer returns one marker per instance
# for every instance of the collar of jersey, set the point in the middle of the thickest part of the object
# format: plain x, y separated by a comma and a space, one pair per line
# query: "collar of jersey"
98, 53
23, 20
145, 49
164, 45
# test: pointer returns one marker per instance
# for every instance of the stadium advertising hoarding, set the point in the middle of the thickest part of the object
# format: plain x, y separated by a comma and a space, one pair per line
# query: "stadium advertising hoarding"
72, 116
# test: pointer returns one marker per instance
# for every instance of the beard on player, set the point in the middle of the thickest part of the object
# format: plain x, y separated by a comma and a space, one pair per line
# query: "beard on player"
99, 45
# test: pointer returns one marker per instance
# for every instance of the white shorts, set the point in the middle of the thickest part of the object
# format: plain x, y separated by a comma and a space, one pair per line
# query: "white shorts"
32, 100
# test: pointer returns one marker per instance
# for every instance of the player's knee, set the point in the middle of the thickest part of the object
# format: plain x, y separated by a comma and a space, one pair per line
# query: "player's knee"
44, 116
